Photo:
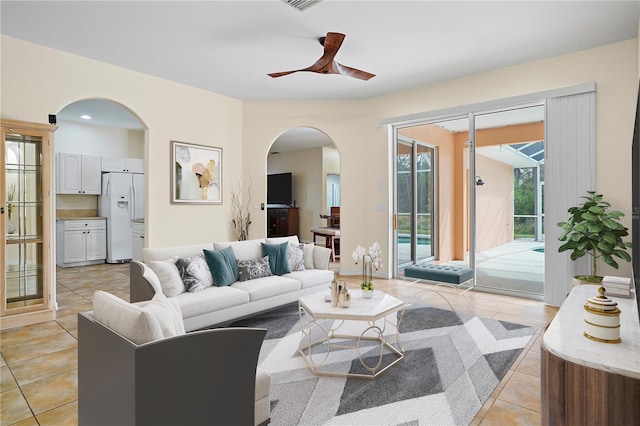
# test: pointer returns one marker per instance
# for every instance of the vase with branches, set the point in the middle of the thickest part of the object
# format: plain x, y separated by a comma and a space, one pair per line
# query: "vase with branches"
241, 216
11, 196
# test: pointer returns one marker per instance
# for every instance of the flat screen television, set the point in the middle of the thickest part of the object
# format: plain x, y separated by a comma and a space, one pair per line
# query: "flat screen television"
635, 202
280, 189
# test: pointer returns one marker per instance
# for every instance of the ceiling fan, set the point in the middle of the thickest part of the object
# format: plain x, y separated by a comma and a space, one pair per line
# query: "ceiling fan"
326, 64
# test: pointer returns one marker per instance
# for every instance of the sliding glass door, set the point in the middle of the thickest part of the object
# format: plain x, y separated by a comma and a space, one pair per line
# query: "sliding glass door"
488, 181
415, 219
508, 156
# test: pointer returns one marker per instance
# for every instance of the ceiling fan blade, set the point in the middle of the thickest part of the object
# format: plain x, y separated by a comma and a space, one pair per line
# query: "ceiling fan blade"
352, 72
326, 64
280, 74
332, 43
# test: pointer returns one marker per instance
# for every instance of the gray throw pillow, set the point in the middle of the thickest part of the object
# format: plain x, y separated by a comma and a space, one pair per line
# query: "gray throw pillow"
195, 273
295, 257
253, 268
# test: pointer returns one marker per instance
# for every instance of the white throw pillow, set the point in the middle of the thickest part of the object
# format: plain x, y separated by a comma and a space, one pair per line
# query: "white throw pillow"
168, 275
126, 319
139, 323
168, 314
308, 255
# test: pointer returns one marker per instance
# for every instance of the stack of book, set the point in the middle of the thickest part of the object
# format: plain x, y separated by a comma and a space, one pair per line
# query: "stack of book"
617, 286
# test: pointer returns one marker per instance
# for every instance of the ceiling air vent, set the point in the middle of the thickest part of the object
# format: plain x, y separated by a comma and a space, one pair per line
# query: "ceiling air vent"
301, 4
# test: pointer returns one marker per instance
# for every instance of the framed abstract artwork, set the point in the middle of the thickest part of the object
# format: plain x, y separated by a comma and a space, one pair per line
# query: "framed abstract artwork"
196, 174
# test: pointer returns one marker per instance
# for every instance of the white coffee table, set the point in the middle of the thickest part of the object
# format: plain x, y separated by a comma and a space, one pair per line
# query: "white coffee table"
377, 312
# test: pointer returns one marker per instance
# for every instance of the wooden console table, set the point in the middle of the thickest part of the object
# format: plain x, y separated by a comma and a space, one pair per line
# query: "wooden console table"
585, 382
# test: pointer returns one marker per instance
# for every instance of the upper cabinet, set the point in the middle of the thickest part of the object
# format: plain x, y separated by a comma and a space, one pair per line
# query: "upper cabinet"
78, 174
120, 164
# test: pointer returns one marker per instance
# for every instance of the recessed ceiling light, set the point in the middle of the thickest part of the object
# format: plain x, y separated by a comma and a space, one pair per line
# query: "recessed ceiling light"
85, 117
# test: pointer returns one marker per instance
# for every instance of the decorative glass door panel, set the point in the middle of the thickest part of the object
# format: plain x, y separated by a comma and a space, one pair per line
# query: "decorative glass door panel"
415, 202
26, 225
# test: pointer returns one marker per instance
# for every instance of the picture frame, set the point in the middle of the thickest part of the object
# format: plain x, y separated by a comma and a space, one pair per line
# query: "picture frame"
196, 174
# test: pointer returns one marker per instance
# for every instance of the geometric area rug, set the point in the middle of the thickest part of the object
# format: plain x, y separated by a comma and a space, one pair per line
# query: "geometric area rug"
452, 364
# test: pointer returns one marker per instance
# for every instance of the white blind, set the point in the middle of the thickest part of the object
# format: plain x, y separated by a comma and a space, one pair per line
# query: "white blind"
570, 171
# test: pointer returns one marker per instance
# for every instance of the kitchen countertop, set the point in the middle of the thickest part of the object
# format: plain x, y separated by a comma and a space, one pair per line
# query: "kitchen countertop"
82, 218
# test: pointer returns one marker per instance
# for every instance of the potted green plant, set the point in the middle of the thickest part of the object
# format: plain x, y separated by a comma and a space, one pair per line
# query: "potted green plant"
594, 229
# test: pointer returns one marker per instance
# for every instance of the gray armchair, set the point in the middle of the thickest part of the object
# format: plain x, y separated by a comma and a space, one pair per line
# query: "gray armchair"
200, 378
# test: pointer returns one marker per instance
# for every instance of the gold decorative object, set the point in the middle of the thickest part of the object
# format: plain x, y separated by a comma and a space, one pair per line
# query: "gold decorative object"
602, 319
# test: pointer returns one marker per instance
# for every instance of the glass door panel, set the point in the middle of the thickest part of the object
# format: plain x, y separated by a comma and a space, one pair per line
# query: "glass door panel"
509, 159
404, 204
415, 205
425, 189
24, 236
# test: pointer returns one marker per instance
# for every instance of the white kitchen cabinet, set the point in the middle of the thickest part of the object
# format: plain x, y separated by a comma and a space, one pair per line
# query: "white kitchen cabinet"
122, 164
137, 240
81, 242
78, 174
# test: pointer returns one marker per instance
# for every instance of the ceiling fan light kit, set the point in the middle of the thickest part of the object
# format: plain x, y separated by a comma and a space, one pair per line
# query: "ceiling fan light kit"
327, 64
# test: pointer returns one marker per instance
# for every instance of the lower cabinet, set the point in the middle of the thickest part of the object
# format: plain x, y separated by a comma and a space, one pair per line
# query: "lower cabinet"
81, 242
137, 242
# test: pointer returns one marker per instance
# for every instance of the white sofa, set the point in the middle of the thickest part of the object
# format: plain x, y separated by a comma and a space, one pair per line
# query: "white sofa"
222, 305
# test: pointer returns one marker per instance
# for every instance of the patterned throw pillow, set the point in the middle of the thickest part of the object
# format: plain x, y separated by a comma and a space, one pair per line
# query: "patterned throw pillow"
253, 268
295, 257
195, 273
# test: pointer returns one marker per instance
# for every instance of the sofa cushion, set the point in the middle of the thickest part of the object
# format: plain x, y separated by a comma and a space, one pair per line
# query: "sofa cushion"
311, 277
277, 257
140, 323
163, 253
292, 239
195, 273
253, 268
168, 275
243, 250
223, 266
308, 255
262, 288
211, 299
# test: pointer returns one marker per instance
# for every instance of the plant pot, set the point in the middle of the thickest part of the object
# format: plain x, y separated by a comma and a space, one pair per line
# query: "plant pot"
367, 294
586, 279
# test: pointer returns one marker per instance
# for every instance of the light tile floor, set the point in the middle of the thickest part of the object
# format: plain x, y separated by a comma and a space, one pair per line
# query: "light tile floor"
38, 363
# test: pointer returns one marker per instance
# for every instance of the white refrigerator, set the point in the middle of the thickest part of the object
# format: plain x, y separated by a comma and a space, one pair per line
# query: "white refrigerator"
121, 201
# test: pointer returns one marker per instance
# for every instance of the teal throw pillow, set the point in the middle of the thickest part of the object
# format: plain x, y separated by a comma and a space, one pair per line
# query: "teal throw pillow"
278, 261
223, 266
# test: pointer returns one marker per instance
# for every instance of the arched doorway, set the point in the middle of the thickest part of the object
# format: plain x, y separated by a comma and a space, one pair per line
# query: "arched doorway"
100, 144
312, 161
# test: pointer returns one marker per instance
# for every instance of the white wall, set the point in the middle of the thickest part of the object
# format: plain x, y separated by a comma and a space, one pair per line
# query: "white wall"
81, 138
365, 151
170, 111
